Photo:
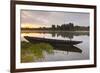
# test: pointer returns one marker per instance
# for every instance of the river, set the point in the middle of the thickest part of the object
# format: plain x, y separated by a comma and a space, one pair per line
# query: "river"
63, 55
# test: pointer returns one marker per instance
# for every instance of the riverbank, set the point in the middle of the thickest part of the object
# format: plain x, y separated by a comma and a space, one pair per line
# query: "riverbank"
48, 31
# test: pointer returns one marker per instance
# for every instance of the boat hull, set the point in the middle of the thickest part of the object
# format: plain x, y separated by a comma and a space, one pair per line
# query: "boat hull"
51, 41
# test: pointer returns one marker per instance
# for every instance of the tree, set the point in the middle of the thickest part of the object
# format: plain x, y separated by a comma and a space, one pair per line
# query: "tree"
71, 25
58, 27
53, 27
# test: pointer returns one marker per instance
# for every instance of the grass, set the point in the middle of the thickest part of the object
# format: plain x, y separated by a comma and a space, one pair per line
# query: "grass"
33, 52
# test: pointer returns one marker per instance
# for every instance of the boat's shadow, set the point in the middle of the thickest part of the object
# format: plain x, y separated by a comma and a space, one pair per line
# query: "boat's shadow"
57, 46
68, 48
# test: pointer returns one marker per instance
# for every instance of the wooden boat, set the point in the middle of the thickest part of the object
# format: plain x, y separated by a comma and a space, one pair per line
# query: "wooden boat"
51, 41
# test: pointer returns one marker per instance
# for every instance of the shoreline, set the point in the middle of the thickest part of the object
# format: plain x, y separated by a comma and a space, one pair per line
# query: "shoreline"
48, 31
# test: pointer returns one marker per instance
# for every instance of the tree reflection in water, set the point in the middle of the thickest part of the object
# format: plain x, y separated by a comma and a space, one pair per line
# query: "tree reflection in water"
69, 34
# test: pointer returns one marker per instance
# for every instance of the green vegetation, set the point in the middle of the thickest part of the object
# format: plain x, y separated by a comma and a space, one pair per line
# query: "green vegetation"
32, 52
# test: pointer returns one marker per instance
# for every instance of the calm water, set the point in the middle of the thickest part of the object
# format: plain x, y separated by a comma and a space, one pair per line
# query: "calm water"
68, 53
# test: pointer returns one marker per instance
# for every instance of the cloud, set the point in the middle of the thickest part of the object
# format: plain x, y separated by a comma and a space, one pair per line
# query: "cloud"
48, 18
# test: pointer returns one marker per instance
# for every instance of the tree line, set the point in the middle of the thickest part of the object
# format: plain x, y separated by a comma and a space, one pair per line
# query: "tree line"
63, 27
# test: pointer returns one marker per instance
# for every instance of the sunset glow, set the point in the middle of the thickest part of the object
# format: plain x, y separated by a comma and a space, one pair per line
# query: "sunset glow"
29, 25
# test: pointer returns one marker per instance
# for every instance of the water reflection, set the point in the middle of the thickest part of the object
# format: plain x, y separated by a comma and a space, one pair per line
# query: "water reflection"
56, 52
31, 52
69, 34
68, 48
57, 34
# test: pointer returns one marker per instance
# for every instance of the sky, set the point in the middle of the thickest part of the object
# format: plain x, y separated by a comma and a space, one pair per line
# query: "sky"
35, 19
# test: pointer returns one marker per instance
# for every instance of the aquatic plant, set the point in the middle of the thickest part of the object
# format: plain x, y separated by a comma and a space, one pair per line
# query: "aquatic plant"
32, 52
